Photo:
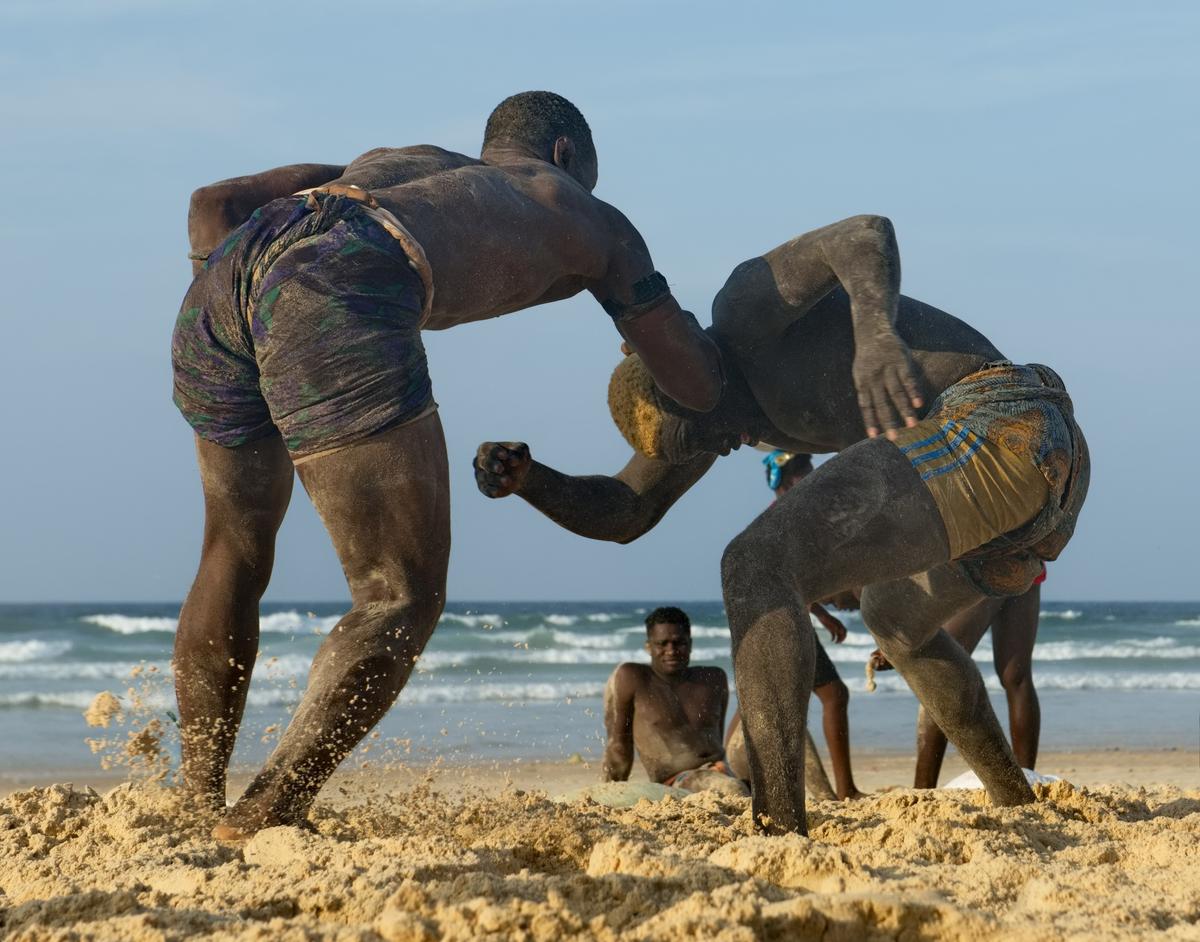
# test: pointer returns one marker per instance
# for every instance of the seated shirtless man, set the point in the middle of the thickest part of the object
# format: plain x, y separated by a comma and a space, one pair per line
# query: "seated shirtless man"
298, 346
979, 476
671, 712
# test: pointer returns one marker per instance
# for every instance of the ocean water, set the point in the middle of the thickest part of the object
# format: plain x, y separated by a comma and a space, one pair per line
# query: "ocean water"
509, 681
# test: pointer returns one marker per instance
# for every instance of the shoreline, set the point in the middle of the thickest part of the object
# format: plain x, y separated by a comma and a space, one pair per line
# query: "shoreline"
874, 771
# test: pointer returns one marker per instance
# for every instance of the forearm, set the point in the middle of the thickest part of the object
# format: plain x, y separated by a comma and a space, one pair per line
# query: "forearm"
764, 296
219, 208
595, 506
682, 358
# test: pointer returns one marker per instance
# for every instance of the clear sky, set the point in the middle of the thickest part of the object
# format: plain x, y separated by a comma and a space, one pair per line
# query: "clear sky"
1038, 161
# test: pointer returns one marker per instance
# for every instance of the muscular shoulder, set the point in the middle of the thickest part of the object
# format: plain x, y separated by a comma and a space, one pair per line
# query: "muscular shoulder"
630, 676
395, 166
422, 151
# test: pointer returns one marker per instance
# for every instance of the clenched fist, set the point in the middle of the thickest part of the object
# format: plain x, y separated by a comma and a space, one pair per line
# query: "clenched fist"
500, 467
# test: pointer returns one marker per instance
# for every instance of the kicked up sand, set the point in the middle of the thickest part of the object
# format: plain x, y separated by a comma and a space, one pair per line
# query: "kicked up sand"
419, 863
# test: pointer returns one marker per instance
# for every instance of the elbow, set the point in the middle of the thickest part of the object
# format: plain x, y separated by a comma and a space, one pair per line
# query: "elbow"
872, 222
875, 227
630, 535
207, 201
211, 216
639, 521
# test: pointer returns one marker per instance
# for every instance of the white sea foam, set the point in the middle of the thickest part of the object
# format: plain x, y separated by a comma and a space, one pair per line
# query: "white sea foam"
512, 692
131, 624
1121, 649
1069, 614
94, 670
440, 660
471, 621
274, 667
574, 640
562, 621
73, 699
21, 652
1188, 623
1167, 648
1057, 680
1099, 680
709, 631
603, 617
290, 622
298, 623
517, 692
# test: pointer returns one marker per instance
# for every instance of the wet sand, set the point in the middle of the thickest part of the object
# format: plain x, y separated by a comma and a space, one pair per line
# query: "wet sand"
469, 852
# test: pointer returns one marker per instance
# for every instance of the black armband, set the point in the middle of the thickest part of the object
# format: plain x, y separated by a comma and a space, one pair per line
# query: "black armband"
648, 293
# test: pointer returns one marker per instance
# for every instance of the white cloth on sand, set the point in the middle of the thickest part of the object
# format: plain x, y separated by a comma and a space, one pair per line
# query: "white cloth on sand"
971, 780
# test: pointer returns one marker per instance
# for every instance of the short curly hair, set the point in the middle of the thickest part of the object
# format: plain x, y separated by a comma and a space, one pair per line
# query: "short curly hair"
538, 119
636, 406
668, 615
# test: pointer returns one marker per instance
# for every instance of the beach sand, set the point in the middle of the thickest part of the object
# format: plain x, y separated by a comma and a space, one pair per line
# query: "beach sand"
471, 852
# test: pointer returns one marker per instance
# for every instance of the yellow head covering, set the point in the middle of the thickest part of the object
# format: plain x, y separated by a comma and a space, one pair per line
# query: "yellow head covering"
635, 406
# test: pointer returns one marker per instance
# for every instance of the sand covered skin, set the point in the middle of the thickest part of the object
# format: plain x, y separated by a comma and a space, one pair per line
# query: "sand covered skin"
421, 865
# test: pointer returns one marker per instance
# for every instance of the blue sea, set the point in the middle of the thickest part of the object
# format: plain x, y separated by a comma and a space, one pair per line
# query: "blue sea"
506, 681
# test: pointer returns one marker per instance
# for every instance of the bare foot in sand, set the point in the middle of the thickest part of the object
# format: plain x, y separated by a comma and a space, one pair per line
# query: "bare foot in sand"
228, 833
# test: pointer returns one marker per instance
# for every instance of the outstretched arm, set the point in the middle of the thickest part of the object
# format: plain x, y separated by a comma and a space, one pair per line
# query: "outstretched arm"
682, 358
619, 509
765, 295
219, 208
618, 725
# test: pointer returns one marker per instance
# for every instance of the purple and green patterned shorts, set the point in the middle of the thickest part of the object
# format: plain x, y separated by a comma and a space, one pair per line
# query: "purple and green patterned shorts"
306, 320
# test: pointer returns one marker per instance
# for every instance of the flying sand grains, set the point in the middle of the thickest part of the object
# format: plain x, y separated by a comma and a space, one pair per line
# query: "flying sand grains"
103, 709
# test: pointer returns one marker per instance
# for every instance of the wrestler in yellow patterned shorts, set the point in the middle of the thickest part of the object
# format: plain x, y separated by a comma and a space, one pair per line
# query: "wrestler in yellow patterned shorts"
1008, 468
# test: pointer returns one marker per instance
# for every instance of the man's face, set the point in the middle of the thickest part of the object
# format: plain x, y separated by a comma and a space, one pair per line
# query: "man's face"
670, 648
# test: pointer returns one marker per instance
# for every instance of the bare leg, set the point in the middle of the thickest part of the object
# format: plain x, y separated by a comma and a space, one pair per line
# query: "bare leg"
1014, 633
862, 517
386, 504
967, 628
835, 702
903, 616
815, 779
246, 494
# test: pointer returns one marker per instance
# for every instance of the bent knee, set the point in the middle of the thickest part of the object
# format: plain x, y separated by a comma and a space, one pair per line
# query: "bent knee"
242, 560
752, 569
833, 694
1013, 679
381, 625
882, 621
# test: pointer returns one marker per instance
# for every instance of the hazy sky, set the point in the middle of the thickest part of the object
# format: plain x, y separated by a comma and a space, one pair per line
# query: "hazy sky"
1038, 161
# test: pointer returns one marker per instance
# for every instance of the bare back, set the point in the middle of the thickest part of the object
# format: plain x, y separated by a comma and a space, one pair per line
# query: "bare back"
498, 238
804, 384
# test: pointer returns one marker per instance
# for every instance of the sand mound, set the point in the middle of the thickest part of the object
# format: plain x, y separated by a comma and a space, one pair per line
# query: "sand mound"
136, 864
